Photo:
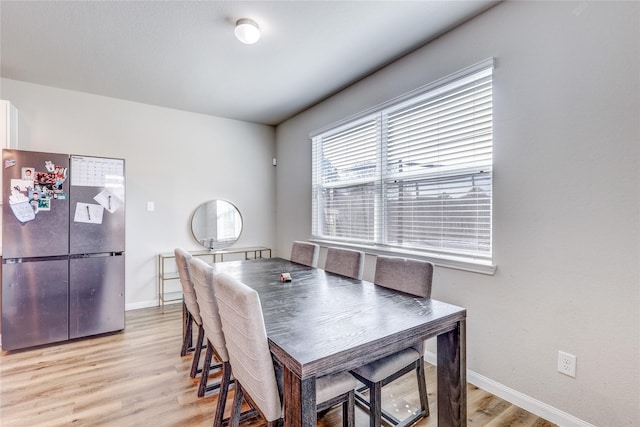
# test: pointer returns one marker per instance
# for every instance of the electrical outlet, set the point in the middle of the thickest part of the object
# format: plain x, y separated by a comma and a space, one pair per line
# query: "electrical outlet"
151, 206
567, 364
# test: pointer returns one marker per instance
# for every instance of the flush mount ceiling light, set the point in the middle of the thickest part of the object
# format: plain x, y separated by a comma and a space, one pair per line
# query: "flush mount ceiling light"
247, 31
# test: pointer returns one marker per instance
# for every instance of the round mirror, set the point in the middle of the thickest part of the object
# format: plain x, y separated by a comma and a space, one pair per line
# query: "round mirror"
216, 224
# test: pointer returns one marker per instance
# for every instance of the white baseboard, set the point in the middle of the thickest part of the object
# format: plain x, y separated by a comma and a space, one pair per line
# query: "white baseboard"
521, 400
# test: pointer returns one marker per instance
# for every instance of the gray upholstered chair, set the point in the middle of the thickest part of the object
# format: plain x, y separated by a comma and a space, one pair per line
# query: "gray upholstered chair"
183, 258
305, 253
203, 278
412, 277
345, 262
253, 367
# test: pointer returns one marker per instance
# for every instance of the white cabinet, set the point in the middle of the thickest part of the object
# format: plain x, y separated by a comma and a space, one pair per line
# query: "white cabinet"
8, 131
8, 139
8, 125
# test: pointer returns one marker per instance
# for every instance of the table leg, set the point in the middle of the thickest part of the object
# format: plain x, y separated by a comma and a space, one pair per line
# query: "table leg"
299, 400
452, 377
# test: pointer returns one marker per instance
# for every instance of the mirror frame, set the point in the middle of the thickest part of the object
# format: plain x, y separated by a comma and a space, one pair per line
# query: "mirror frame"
216, 246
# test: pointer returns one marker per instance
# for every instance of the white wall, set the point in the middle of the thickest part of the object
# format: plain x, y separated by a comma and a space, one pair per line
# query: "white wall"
566, 198
173, 158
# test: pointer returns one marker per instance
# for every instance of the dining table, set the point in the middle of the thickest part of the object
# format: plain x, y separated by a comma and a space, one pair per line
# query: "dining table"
321, 323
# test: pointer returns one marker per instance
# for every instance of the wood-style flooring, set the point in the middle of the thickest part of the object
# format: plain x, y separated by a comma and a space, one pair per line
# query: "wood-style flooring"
137, 378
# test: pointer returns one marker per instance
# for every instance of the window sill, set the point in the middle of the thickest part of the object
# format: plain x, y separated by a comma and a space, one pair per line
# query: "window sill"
457, 263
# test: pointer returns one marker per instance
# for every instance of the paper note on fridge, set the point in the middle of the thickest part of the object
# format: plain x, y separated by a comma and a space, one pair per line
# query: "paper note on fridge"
22, 184
23, 211
88, 213
108, 200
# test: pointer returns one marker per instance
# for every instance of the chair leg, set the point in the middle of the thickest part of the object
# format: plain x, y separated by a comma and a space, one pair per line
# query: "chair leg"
375, 404
237, 406
196, 353
422, 387
202, 388
222, 397
348, 410
187, 340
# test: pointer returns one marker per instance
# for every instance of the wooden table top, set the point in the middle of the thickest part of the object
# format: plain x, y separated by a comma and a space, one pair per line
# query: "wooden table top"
320, 323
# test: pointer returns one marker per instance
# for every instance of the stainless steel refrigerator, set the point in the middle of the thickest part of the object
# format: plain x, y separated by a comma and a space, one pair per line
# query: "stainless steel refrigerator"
63, 241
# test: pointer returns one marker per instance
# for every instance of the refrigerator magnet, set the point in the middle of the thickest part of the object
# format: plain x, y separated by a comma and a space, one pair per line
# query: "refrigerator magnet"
45, 179
28, 173
61, 175
17, 197
21, 185
44, 205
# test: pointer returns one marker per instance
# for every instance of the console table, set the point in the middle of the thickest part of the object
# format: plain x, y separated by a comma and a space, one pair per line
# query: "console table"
166, 274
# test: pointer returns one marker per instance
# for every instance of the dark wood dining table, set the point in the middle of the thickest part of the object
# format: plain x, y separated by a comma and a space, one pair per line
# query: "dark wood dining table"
322, 323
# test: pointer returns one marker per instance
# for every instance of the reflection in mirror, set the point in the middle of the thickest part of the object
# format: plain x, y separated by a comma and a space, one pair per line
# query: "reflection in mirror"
216, 224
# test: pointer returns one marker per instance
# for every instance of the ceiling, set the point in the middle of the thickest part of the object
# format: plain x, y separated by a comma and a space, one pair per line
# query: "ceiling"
183, 54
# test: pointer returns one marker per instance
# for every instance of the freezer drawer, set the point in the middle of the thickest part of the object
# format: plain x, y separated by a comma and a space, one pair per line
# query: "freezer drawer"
35, 303
96, 295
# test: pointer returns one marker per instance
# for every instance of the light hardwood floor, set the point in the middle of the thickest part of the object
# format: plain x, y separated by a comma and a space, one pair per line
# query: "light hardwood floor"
137, 378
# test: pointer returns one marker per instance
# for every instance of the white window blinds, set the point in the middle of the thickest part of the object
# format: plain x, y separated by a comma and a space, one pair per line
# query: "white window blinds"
346, 181
414, 174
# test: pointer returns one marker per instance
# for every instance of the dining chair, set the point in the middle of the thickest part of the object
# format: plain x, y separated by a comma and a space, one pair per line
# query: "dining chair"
203, 278
192, 310
412, 277
305, 253
258, 377
345, 262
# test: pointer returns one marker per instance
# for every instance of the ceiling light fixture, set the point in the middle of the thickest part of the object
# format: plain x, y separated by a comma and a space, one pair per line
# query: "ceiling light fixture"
247, 31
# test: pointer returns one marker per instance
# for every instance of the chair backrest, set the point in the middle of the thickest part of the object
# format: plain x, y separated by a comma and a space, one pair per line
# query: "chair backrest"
345, 262
305, 253
246, 337
203, 278
406, 275
183, 258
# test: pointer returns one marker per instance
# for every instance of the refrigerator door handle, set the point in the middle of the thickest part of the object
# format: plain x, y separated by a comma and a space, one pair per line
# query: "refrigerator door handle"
96, 255
33, 259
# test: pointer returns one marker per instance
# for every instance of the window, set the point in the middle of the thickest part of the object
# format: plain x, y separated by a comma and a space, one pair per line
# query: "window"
412, 175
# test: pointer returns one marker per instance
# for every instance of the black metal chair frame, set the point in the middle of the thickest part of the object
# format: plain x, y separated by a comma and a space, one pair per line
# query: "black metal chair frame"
375, 397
